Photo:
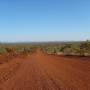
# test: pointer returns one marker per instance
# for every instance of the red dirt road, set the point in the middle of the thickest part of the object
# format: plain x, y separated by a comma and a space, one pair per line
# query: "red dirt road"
40, 71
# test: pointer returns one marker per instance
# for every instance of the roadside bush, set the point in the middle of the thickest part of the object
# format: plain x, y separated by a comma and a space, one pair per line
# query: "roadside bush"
85, 48
3, 51
81, 49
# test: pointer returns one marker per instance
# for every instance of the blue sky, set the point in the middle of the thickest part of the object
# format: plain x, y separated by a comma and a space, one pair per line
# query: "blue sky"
44, 20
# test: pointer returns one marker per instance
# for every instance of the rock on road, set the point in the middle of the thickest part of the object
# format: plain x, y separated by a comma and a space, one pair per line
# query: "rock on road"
40, 71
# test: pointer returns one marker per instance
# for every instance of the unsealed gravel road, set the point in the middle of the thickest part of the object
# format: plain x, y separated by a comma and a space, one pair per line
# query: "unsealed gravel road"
40, 71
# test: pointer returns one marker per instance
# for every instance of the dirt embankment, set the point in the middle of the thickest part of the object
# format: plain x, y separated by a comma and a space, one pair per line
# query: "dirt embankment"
40, 71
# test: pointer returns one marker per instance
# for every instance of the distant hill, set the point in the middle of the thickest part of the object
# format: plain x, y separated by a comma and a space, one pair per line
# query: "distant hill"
42, 43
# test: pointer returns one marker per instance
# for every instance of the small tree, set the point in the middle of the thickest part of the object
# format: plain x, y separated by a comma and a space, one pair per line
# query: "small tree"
85, 48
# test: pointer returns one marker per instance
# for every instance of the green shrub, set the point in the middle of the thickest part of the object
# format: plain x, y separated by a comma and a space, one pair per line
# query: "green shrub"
3, 51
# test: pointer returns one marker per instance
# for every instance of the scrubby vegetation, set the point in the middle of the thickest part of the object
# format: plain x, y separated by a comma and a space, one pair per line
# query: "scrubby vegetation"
81, 49
16, 49
9, 51
68, 48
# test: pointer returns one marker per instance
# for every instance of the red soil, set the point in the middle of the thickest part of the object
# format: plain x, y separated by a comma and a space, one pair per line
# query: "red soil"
40, 71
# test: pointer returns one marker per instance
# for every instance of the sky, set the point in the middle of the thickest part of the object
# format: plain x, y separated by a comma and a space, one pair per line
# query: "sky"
44, 20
